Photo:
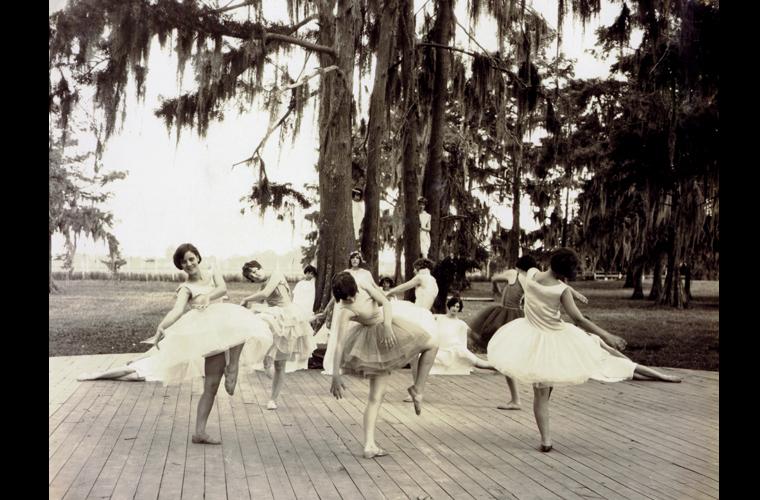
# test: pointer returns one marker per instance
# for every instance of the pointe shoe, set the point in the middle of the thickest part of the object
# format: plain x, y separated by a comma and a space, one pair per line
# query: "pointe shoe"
271, 405
408, 399
416, 399
376, 452
230, 380
204, 439
546, 448
509, 406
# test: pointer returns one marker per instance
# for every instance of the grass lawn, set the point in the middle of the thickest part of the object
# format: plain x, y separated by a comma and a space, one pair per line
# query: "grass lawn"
100, 317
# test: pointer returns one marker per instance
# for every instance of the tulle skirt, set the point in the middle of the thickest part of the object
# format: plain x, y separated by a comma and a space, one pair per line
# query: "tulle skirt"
484, 324
365, 355
559, 357
292, 336
414, 316
199, 334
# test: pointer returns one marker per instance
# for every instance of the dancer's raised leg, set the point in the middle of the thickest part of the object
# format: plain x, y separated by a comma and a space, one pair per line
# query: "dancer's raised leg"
651, 373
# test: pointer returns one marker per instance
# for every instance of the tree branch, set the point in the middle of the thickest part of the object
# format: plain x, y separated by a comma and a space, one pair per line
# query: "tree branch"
298, 41
291, 108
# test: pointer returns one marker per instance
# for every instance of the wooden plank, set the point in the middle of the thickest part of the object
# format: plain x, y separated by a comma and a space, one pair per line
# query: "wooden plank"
89, 472
82, 442
555, 425
348, 447
334, 470
116, 439
129, 479
214, 479
274, 468
295, 475
153, 470
312, 466
174, 468
109, 474
193, 483
521, 479
234, 469
255, 475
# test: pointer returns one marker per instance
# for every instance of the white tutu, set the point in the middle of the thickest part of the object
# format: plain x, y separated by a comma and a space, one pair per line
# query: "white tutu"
453, 357
553, 357
292, 336
405, 312
202, 333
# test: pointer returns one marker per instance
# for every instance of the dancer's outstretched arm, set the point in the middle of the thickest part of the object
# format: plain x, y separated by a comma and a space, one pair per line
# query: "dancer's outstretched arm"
183, 296
412, 283
572, 310
272, 282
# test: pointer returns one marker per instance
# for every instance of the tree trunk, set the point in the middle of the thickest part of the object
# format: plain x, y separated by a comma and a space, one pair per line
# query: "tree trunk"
629, 276
656, 292
397, 268
638, 276
434, 182
687, 282
336, 237
52, 287
376, 133
513, 248
674, 295
409, 179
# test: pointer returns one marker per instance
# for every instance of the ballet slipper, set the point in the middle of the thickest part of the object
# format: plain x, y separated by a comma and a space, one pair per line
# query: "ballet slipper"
271, 405
546, 448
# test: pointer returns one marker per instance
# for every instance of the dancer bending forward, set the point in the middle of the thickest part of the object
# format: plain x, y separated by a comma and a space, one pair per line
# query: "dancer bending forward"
371, 342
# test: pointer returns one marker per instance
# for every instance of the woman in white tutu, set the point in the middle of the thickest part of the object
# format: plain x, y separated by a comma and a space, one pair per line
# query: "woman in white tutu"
292, 334
543, 350
370, 342
425, 291
202, 336
453, 357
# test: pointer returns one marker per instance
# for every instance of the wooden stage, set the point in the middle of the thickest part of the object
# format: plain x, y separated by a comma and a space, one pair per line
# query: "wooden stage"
643, 440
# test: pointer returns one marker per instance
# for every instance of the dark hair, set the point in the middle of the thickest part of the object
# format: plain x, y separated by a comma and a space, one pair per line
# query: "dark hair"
355, 253
454, 300
526, 262
180, 252
423, 263
310, 269
564, 263
250, 266
387, 279
344, 286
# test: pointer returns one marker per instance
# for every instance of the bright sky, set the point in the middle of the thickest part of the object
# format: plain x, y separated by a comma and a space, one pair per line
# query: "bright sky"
189, 191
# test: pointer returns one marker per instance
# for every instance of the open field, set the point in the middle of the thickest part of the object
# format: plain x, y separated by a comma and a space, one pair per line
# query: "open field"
103, 317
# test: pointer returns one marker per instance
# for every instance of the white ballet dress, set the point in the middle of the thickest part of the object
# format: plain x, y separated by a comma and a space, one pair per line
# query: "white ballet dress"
201, 333
542, 349
453, 357
293, 337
